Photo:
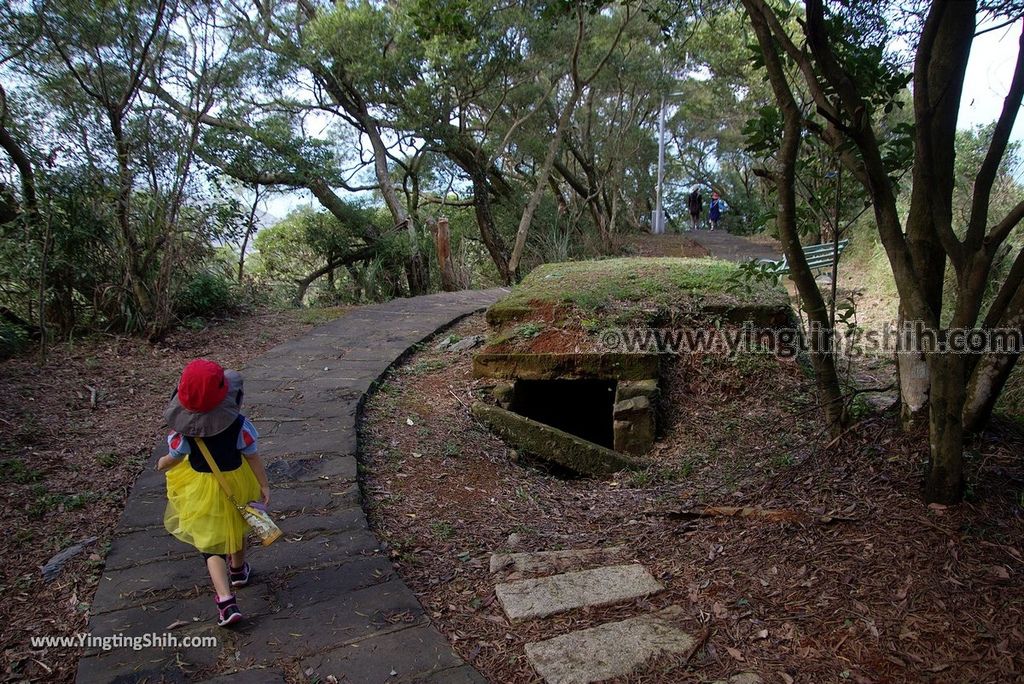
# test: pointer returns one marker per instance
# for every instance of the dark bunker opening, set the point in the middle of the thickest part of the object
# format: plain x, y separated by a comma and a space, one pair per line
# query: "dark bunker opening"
579, 407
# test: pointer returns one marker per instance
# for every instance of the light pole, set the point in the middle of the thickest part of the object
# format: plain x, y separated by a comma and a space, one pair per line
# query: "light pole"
658, 219
658, 223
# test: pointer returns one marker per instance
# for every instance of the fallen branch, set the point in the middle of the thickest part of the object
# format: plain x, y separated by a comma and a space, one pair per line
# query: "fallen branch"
732, 512
769, 514
697, 645
458, 399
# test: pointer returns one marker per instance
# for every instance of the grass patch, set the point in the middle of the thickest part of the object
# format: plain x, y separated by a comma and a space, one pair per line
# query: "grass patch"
442, 529
593, 286
426, 366
13, 470
528, 330
46, 501
321, 314
107, 460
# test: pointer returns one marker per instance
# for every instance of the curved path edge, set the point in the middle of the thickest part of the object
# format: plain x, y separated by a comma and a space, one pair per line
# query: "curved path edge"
325, 599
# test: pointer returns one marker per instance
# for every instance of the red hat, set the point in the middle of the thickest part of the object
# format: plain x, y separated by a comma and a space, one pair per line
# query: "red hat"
202, 386
207, 400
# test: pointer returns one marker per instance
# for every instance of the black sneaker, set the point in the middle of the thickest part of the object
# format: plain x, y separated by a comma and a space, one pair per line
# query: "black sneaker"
239, 578
228, 612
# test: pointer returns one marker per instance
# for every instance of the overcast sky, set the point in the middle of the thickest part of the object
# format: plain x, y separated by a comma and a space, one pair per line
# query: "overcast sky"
989, 73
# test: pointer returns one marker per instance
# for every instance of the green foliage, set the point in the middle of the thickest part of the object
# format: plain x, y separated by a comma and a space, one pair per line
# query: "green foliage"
754, 275
207, 294
316, 316
764, 131
528, 330
14, 470
108, 459
442, 529
46, 501
13, 340
307, 240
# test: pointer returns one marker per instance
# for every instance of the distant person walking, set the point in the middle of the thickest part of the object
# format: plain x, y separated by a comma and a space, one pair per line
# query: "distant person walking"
695, 203
715, 209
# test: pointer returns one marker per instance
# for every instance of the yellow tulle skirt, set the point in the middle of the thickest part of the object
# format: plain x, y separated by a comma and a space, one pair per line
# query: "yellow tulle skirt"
199, 512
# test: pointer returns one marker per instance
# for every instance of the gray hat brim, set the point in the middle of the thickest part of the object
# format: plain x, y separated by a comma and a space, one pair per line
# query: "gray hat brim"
212, 422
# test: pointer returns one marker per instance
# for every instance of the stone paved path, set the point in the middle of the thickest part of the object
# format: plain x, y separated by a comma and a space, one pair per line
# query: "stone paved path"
733, 247
325, 599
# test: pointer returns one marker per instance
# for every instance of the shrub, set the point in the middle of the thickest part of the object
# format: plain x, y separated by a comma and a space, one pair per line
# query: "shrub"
207, 294
13, 340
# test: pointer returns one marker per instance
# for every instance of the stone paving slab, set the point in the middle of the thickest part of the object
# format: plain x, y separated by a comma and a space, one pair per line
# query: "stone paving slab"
609, 650
143, 546
256, 676
326, 585
335, 619
311, 468
161, 617
341, 442
416, 654
536, 598
551, 562
164, 666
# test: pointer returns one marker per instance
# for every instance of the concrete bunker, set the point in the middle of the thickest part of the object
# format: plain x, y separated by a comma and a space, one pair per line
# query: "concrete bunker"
558, 394
598, 402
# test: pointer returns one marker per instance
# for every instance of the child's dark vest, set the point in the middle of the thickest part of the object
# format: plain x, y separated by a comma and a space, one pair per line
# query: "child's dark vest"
223, 447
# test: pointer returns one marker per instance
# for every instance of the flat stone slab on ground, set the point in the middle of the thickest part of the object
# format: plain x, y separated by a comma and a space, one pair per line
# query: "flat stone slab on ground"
534, 598
609, 650
551, 562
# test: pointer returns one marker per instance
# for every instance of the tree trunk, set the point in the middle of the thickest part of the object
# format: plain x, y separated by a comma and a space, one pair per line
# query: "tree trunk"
449, 282
945, 480
986, 384
830, 397
992, 371
913, 376
940, 71
333, 264
124, 197
417, 270
250, 230
488, 231
542, 179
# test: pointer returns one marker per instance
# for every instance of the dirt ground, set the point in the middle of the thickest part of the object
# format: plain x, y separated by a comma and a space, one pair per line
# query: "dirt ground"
666, 245
859, 581
75, 434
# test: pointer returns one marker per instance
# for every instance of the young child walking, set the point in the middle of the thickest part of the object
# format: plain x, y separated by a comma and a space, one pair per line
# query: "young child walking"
205, 411
714, 210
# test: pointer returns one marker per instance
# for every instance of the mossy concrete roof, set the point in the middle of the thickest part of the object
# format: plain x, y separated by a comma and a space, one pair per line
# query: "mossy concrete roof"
630, 289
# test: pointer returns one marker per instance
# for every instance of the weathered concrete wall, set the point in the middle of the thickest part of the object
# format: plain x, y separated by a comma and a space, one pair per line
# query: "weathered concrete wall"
552, 444
610, 366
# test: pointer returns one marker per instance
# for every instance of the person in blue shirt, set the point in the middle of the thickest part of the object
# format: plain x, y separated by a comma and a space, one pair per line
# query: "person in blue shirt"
715, 209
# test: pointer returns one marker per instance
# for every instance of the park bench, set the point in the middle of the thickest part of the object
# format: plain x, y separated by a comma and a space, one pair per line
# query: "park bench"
819, 257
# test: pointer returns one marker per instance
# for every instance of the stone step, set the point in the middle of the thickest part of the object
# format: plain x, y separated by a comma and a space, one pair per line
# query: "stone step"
610, 650
534, 598
551, 562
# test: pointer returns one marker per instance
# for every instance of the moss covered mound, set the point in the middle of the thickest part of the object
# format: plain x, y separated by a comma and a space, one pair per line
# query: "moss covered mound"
636, 290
